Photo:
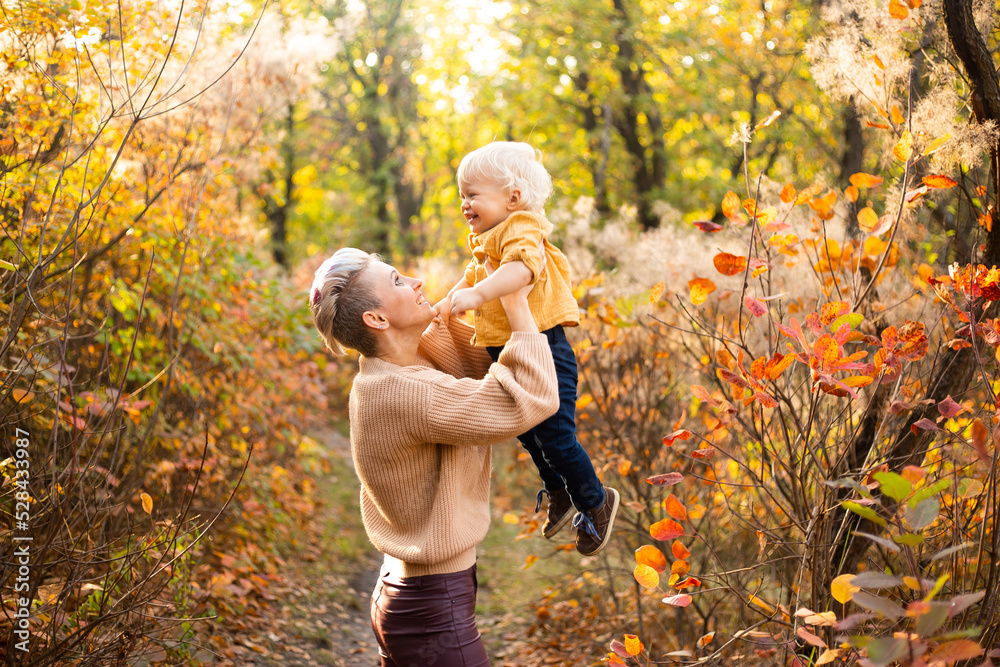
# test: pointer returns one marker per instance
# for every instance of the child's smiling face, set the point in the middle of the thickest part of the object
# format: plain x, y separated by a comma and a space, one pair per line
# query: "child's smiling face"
485, 205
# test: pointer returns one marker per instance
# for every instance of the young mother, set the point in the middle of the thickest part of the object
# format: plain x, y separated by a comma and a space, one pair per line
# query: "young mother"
424, 410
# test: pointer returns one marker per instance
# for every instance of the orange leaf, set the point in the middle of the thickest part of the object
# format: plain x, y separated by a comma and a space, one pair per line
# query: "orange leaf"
147, 503
686, 582
646, 576
863, 180
788, 193
633, 645
703, 453
778, 368
665, 530
883, 225
679, 551
904, 148
675, 508
938, 181
896, 116
700, 289
680, 568
960, 649
851, 193
682, 434
21, 396
656, 292
649, 555
728, 264
831, 311
867, 219
730, 204
723, 358
705, 640
898, 10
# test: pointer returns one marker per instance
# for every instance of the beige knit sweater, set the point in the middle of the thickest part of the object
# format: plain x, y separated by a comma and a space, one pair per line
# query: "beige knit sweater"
421, 436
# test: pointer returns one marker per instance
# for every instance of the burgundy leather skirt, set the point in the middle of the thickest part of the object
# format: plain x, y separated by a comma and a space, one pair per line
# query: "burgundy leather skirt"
428, 621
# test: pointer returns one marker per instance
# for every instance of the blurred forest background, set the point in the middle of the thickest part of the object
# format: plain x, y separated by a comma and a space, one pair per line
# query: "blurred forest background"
781, 218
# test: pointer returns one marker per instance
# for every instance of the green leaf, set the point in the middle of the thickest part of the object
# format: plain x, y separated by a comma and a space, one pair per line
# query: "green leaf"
879, 605
929, 491
862, 511
7, 265
909, 539
893, 485
929, 622
883, 651
850, 319
923, 513
969, 488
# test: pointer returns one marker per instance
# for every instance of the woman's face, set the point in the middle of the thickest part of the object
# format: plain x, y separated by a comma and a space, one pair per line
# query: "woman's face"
403, 304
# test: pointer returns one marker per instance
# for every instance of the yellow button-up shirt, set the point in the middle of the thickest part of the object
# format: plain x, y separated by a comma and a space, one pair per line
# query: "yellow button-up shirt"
551, 299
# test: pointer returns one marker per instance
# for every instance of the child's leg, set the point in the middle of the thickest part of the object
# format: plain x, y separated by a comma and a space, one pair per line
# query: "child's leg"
556, 436
551, 480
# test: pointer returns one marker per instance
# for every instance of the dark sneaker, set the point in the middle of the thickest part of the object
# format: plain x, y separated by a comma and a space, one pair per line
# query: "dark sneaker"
593, 527
559, 512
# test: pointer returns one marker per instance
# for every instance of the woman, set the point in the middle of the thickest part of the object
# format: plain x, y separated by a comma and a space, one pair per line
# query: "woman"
424, 409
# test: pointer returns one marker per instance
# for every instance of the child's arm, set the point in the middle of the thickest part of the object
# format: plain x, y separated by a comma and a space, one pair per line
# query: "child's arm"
443, 307
509, 278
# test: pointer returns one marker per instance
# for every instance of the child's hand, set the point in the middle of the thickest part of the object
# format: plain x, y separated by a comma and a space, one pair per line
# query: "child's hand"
443, 308
465, 299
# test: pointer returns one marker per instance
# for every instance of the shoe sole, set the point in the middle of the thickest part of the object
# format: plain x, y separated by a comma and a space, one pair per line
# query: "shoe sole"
611, 525
560, 525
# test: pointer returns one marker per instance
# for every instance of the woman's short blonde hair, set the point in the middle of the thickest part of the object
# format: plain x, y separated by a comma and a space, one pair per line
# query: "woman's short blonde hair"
513, 166
339, 298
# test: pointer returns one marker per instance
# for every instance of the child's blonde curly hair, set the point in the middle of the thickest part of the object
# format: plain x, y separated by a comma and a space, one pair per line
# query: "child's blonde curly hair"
513, 166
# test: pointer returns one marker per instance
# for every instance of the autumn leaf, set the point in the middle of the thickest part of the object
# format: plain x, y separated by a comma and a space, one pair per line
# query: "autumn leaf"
619, 649
147, 503
883, 225
788, 193
898, 10
649, 555
700, 289
646, 576
755, 307
656, 292
979, 436
529, 561
730, 204
665, 530
953, 651
682, 434
938, 181
681, 600
703, 453
708, 226
728, 264
904, 148
678, 569
679, 551
841, 588
666, 479
896, 115
633, 645
867, 219
21, 395
851, 192
810, 638
863, 180
949, 408
675, 508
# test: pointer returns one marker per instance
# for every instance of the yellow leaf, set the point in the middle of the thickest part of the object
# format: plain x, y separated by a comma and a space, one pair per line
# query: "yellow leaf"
829, 655
700, 289
510, 518
760, 603
867, 219
656, 292
147, 503
896, 116
529, 561
646, 576
898, 10
904, 149
584, 401
842, 589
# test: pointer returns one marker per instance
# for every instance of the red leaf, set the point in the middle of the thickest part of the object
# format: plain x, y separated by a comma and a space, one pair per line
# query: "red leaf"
755, 307
703, 453
682, 434
666, 479
924, 425
949, 408
708, 226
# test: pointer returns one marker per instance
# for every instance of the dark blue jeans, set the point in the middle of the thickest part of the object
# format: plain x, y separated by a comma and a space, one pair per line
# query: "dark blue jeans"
561, 460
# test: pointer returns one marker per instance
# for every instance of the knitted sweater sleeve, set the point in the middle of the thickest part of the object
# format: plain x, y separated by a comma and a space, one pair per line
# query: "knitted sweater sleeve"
517, 393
